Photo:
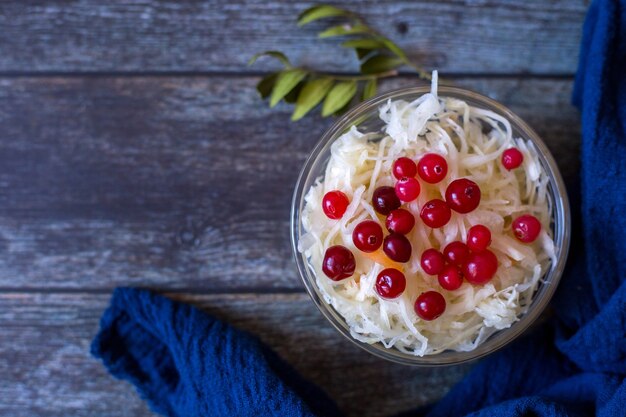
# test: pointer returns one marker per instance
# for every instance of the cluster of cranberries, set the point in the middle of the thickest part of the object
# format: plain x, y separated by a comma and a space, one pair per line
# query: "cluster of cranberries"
471, 260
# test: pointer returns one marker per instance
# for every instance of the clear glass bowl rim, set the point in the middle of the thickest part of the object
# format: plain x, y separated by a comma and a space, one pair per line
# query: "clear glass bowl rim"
562, 230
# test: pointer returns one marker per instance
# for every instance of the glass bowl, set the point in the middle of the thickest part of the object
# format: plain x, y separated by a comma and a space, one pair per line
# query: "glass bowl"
365, 116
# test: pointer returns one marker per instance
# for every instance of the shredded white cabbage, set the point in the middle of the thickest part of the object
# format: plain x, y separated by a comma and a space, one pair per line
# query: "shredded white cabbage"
361, 162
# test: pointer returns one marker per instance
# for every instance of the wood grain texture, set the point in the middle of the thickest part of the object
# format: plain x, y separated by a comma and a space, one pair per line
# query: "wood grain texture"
47, 371
176, 182
455, 36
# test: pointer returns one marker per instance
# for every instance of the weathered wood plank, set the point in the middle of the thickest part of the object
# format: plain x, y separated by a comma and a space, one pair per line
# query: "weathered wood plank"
175, 182
46, 368
501, 36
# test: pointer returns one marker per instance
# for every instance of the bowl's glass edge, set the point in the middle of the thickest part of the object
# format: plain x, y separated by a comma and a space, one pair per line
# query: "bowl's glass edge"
499, 339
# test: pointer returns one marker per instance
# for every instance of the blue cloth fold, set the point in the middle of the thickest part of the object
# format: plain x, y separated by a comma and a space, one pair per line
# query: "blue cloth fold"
187, 363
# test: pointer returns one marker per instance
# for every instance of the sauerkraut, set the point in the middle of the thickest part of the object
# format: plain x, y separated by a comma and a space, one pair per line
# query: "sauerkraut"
472, 141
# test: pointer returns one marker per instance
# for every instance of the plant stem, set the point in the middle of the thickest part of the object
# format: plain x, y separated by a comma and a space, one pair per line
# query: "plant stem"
386, 74
420, 72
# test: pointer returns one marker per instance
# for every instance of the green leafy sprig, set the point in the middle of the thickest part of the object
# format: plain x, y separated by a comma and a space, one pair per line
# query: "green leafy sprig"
378, 56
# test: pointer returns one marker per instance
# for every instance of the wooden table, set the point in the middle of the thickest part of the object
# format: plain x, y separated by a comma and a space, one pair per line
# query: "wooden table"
135, 152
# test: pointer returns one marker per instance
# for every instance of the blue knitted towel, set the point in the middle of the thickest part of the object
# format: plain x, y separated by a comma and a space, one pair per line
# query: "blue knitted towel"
186, 363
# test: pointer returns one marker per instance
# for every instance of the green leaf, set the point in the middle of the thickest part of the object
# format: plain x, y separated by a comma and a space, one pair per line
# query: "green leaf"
342, 110
292, 96
343, 30
394, 48
363, 43
339, 96
275, 54
264, 87
369, 90
286, 81
320, 12
380, 63
362, 53
312, 93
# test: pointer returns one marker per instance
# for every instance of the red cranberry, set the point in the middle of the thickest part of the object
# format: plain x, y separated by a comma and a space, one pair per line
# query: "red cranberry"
404, 167
432, 168
338, 263
456, 253
526, 228
430, 305
400, 221
385, 200
432, 261
480, 267
397, 247
512, 158
335, 204
450, 278
408, 189
463, 195
367, 236
478, 238
435, 213
390, 283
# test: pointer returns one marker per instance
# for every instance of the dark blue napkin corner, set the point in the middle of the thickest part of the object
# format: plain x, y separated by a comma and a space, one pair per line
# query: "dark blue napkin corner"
186, 363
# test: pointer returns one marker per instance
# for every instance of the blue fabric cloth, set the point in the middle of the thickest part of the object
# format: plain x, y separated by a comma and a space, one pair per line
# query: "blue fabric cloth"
186, 363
